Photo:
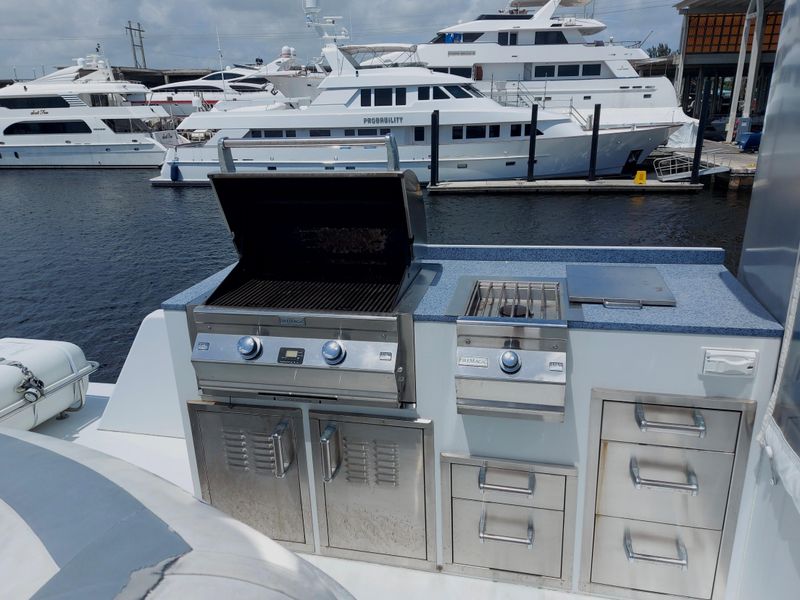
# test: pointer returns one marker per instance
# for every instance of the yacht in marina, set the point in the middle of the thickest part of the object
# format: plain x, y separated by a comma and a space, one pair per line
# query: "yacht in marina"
81, 116
478, 138
520, 56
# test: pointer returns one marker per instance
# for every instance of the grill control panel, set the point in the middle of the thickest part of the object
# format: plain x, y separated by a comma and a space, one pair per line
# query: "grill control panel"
291, 356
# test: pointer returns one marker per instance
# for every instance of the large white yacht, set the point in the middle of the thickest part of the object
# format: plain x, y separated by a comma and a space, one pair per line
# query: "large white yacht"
80, 116
519, 57
479, 138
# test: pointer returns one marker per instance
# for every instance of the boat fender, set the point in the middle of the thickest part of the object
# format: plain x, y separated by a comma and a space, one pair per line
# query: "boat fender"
175, 172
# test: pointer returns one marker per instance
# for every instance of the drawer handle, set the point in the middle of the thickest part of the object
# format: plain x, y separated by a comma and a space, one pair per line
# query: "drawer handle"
483, 536
492, 487
691, 486
681, 561
698, 429
330, 464
283, 459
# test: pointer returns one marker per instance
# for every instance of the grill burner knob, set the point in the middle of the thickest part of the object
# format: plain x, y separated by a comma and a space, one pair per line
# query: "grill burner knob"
249, 347
333, 352
509, 362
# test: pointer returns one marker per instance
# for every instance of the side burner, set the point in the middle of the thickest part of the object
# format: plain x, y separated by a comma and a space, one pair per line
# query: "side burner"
516, 300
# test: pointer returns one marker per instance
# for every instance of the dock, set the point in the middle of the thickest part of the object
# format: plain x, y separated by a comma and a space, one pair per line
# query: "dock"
563, 186
719, 159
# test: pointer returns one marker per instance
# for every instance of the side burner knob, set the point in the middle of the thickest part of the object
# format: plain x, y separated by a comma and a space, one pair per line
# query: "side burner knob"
333, 352
249, 347
509, 362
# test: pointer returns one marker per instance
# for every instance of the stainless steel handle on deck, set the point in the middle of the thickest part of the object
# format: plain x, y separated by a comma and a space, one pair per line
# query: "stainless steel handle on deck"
283, 459
698, 429
483, 536
691, 486
329, 469
681, 561
483, 486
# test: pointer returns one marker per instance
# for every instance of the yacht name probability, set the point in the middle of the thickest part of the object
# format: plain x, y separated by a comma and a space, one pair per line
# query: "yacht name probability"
383, 120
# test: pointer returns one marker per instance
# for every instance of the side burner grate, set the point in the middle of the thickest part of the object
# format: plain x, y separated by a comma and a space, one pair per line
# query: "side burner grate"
515, 300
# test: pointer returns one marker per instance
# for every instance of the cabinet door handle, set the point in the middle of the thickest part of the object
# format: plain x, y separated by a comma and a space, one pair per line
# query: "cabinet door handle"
330, 464
483, 486
698, 429
691, 486
283, 458
483, 536
681, 561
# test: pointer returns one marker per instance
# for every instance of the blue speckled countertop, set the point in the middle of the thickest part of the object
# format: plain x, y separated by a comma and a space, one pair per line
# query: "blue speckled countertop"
709, 299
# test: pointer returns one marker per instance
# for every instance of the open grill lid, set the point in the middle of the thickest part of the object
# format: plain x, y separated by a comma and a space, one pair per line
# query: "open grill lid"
337, 228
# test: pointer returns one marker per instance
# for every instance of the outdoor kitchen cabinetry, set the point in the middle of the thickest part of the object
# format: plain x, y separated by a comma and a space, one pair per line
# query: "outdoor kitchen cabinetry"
668, 474
508, 520
252, 466
374, 487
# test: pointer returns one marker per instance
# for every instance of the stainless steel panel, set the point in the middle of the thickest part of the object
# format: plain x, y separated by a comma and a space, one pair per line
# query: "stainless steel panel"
371, 495
619, 286
685, 427
678, 486
252, 466
506, 537
655, 557
509, 486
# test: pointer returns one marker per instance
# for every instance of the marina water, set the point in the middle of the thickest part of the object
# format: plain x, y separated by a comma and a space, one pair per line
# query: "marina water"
87, 254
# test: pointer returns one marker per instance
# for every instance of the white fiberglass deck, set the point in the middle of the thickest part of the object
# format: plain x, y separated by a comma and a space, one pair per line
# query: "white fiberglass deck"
167, 457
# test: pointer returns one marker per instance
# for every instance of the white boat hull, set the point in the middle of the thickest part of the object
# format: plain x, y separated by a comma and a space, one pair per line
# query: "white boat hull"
148, 154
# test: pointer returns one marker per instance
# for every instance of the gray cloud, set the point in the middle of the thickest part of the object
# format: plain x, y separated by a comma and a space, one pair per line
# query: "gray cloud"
47, 33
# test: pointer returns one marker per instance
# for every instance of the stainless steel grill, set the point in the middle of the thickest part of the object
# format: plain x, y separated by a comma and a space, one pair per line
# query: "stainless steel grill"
312, 295
515, 300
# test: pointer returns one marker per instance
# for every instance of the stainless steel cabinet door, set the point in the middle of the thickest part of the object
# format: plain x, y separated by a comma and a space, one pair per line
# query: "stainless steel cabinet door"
370, 487
250, 467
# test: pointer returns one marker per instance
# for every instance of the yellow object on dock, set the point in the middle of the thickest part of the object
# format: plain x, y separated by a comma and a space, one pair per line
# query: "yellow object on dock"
641, 178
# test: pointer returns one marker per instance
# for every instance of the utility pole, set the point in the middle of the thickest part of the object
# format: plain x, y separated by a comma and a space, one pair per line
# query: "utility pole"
137, 44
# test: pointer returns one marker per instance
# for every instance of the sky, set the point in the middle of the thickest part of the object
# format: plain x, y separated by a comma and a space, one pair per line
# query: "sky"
43, 34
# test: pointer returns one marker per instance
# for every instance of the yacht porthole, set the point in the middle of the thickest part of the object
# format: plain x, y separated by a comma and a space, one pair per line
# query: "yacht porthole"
108, 149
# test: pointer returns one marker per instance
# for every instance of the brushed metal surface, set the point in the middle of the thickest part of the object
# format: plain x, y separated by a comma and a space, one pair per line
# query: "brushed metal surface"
620, 424
548, 490
617, 495
610, 564
236, 464
375, 500
543, 557
635, 285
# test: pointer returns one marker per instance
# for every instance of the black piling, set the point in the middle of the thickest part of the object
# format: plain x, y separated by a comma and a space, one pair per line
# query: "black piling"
595, 139
701, 127
434, 147
532, 143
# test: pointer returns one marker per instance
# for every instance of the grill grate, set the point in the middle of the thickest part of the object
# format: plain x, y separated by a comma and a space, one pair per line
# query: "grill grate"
515, 300
312, 295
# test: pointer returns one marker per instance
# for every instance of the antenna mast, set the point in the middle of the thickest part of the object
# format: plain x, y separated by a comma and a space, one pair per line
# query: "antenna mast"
137, 47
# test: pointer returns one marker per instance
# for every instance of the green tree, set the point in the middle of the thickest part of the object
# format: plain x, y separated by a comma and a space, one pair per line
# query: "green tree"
658, 51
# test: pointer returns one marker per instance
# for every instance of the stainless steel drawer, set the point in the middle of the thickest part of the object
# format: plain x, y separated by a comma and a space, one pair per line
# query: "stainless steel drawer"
667, 485
699, 428
509, 486
509, 538
655, 557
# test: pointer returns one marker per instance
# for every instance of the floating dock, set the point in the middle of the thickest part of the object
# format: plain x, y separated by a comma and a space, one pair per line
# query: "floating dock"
723, 160
564, 186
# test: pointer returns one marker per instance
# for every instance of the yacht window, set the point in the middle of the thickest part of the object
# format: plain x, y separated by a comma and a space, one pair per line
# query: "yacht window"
548, 38
47, 127
591, 70
458, 132
366, 97
472, 37
461, 72
516, 130
291, 133
528, 130
218, 76
476, 131
494, 131
419, 134
255, 133
568, 70
367, 132
474, 91
527, 71
512, 39
34, 102
319, 132
383, 97
273, 133
438, 94
255, 80
502, 38
544, 71
440, 69
244, 88
439, 39
349, 132
424, 93
400, 96
126, 125
99, 99
386, 131
456, 91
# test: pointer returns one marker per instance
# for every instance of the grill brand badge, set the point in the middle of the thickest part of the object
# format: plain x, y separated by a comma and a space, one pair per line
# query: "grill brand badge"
293, 321
473, 361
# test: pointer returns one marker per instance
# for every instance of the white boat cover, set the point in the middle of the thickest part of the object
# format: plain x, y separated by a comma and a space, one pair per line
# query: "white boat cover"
78, 524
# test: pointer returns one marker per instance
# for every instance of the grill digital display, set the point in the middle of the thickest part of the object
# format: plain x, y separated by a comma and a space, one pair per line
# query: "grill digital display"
291, 356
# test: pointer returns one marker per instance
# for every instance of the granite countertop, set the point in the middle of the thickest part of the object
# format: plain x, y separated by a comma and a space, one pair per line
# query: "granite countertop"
709, 299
